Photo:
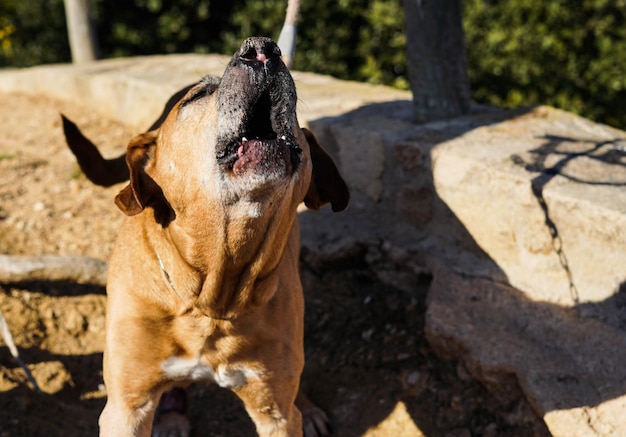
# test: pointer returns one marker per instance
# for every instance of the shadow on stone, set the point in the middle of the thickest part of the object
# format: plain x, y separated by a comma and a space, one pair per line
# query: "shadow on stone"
562, 352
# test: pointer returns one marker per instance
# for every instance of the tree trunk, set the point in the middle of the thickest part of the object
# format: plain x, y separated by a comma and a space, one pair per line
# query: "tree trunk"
436, 59
80, 31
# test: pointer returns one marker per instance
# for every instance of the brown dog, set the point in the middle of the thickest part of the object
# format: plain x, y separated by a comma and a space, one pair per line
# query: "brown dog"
203, 281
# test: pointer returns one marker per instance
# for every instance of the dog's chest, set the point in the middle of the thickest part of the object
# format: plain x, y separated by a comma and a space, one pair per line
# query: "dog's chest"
195, 369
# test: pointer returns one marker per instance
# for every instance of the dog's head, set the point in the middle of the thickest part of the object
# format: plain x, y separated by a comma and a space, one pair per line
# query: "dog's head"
233, 139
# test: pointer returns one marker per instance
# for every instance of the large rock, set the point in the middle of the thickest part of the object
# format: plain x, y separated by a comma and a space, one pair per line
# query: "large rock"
570, 368
522, 216
543, 195
537, 194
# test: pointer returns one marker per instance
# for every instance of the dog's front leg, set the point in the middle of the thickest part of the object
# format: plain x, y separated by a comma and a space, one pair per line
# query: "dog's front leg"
123, 418
271, 408
133, 380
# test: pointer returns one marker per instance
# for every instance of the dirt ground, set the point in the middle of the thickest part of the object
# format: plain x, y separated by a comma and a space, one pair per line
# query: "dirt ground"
368, 364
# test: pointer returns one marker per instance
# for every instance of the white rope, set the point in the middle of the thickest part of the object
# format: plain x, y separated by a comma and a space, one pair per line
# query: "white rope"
8, 340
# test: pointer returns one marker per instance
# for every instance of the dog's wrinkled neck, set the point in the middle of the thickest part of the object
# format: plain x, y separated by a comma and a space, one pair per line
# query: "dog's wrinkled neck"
233, 259
247, 278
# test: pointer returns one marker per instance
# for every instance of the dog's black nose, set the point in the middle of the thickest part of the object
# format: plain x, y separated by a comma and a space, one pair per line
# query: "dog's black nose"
258, 49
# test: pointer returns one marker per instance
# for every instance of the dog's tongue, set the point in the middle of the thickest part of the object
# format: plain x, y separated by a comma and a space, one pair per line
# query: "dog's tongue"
245, 145
251, 152
258, 156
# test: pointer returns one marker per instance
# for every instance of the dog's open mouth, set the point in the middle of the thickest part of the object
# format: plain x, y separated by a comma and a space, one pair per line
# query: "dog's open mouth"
266, 145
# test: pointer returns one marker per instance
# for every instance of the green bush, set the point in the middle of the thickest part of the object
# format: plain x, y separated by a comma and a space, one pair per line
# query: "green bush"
142, 27
571, 55
360, 40
32, 32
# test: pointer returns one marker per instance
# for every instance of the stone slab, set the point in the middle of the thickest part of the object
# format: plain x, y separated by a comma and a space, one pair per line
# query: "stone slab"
537, 193
525, 211
543, 195
570, 367
134, 90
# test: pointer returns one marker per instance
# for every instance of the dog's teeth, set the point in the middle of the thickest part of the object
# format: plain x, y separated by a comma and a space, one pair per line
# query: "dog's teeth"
244, 139
283, 138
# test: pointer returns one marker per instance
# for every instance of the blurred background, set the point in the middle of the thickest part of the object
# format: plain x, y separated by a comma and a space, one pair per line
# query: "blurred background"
571, 55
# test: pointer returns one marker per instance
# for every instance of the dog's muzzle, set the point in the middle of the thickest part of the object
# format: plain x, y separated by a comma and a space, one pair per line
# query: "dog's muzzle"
257, 113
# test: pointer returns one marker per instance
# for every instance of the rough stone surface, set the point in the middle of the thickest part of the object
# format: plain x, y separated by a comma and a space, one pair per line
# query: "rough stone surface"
539, 192
570, 367
133, 90
526, 211
543, 195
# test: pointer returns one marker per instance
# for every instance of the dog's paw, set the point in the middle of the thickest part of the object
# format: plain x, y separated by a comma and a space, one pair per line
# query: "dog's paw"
171, 418
315, 422
171, 424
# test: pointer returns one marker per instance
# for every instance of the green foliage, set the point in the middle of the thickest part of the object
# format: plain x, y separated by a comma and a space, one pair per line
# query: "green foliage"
553, 52
355, 39
386, 44
260, 18
32, 32
568, 54
142, 27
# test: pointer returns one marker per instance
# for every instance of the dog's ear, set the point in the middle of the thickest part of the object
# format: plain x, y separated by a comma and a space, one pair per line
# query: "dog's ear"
327, 185
142, 191
100, 171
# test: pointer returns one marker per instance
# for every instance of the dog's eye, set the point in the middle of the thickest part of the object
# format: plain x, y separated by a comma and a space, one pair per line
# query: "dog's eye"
197, 94
204, 88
